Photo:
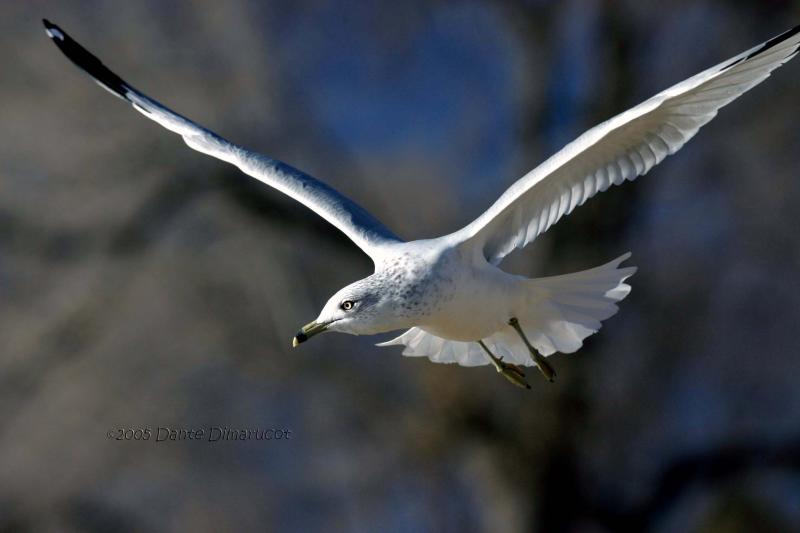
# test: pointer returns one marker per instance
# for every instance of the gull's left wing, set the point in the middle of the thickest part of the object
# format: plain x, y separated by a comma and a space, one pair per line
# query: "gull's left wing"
353, 220
620, 149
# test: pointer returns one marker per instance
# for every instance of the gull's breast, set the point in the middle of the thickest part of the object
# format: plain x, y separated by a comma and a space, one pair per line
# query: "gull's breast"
471, 303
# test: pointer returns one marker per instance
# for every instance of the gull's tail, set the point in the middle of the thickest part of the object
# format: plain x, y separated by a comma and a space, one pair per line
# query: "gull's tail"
571, 307
562, 311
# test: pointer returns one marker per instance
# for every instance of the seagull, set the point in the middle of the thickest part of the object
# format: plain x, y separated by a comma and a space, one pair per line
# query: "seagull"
448, 293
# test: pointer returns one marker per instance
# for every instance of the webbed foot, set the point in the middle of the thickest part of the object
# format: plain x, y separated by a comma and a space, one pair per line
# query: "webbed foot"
513, 373
541, 363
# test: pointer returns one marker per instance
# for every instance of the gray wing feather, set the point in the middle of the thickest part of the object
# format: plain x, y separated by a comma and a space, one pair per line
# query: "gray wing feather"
353, 220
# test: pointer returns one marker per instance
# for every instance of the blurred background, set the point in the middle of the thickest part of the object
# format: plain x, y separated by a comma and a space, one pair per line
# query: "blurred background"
144, 285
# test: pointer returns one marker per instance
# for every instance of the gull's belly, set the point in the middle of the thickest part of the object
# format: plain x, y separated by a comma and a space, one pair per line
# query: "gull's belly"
478, 303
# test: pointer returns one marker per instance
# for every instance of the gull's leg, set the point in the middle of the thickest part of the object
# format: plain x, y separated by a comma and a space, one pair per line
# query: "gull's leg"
541, 362
511, 372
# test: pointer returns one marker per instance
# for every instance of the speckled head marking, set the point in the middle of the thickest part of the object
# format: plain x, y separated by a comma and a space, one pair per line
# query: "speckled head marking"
403, 291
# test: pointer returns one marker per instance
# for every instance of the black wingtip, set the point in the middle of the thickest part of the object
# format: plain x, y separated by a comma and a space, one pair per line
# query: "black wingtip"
86, 61
775, 41
778, 39
53, 31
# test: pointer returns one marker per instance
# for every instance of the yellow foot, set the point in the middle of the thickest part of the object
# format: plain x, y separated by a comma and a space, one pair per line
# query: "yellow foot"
545, 368
511, 372
541, 363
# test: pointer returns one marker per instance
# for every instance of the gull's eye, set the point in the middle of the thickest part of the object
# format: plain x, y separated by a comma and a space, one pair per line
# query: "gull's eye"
347, 305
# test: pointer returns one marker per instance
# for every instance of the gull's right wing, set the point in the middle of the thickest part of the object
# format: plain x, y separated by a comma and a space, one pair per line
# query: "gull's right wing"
353, 220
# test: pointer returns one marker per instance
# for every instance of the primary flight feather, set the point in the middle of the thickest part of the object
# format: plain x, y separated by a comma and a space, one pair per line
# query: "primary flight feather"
456, 304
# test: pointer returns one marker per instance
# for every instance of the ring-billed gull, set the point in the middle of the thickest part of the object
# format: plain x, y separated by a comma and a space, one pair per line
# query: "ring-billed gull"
457, 305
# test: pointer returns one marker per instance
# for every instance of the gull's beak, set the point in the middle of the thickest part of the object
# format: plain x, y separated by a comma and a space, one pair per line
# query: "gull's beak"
308, 331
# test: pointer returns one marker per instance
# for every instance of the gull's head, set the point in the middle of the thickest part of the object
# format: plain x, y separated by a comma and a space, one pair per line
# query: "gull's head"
361, 308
